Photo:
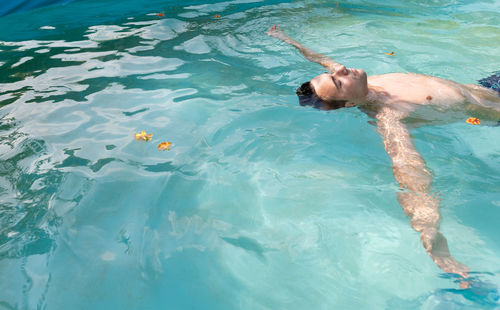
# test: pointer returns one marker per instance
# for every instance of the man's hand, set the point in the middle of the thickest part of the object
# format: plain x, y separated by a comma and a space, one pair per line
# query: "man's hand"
275, 32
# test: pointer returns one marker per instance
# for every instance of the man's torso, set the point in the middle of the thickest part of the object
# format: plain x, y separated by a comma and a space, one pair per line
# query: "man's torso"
397, 88
423, 98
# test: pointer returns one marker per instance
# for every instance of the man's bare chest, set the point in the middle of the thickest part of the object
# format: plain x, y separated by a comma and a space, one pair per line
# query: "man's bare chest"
397, 88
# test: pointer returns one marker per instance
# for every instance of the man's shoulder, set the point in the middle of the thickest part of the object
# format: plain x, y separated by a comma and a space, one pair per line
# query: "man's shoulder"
400, 75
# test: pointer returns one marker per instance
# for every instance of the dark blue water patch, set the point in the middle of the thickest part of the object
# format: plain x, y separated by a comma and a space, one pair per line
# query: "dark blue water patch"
14, 6
72, 160
481, 294
247, 244
24, 211
135, 112
75, 161
82, 13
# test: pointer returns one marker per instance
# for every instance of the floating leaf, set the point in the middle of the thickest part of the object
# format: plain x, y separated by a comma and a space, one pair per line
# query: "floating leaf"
143, 136
217, 16
390, 54
164, 146
473, 121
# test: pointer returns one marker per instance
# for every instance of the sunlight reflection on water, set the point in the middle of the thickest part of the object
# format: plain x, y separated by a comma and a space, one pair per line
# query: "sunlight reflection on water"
260, 203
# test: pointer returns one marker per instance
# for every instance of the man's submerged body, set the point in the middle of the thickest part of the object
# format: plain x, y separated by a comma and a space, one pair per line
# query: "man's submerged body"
392, 99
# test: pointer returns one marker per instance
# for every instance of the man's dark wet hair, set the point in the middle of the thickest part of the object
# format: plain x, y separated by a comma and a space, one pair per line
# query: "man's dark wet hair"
307, 97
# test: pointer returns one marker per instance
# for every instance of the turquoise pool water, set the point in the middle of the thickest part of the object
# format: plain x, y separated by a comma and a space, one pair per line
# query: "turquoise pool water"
260, 203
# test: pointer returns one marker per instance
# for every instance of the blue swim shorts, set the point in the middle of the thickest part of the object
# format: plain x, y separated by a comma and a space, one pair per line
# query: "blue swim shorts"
492, 82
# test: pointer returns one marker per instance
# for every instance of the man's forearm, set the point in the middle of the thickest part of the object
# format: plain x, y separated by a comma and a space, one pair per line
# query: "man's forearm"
314, 56
308, 53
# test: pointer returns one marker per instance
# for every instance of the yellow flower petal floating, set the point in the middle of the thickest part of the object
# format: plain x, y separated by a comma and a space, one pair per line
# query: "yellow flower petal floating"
164, 146
390, 54
143, 136
473, 121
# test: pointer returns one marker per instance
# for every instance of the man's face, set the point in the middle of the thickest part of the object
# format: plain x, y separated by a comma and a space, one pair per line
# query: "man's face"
344, 84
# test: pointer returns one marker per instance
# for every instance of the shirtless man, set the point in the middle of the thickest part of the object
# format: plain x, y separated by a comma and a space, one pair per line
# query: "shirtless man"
392, 98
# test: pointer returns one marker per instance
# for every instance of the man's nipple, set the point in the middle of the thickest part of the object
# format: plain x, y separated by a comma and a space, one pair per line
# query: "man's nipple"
428, 98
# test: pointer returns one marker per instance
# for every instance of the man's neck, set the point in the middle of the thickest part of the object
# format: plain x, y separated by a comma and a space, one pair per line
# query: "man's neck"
375, 94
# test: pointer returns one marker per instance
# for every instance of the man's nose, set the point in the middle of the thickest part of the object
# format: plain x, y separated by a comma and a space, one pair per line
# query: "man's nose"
341, 70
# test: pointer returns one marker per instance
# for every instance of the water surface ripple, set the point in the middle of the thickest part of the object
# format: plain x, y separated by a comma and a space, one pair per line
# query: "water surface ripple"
260, 203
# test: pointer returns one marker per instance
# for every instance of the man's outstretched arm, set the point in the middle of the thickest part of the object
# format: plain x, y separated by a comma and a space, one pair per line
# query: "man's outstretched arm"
411, 173
308, 53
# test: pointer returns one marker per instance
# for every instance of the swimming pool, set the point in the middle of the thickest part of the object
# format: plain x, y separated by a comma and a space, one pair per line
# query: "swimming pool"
260, 203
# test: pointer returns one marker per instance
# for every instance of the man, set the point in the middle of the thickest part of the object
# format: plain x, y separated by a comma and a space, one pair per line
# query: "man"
392, 98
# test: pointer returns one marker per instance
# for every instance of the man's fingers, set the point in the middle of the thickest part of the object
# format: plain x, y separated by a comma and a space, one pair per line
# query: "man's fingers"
273, 30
